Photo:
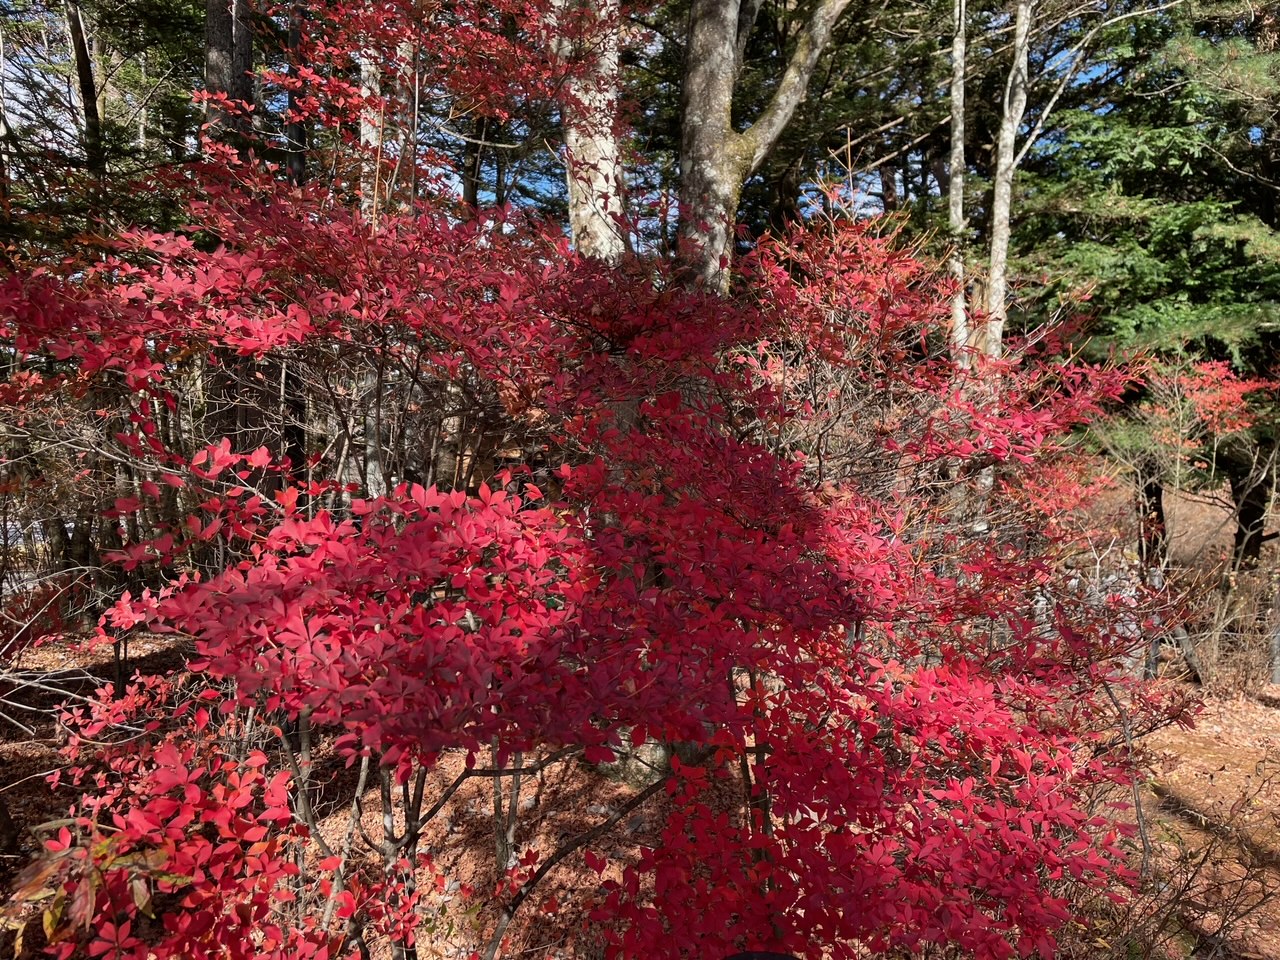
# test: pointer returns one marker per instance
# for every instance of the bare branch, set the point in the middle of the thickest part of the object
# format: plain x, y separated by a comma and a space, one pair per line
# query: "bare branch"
1073, 69
764, 133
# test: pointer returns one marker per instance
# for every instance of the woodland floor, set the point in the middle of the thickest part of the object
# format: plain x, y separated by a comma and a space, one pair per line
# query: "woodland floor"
1210, 811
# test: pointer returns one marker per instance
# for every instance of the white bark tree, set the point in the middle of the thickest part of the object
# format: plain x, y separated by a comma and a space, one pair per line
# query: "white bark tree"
593, 155
1006, 163
955, 185
371, 121
1008, 154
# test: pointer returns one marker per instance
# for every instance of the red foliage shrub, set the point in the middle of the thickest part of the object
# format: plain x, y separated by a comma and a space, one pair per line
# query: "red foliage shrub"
743, 526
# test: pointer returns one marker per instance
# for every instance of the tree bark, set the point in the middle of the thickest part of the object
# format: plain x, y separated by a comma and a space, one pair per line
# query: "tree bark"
59, 541
715, 160
472, 164
228, 61
6, 215
370, 136
593, 157
955, 186
293, 403
1153, 539
784, 210
1153, 551
1015, 105
94, 149
1251, 495
404, 181
1274, 641
242, 52
888, 188
296, 131
8, 830
219, 49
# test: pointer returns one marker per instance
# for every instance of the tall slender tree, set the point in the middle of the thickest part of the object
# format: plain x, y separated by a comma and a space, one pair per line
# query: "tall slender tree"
955, 183
1013, 107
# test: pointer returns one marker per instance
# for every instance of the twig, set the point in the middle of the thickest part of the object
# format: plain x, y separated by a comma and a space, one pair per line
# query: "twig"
1144, 869
339, 875
509, 911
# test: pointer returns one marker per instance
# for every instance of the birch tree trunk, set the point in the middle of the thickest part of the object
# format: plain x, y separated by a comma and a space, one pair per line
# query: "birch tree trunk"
373, 386
955, 187
715, 160
593, 158
370, 137
1015, 105
5, 209
404, 181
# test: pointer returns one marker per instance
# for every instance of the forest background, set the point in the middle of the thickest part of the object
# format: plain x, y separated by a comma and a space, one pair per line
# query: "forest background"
720, 408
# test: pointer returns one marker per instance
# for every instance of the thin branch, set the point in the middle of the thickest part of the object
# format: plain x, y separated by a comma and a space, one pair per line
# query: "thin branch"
1145, 867
541, 765
303, 809
761, 136
509, 911
340, 874
1071, 71
1244, 173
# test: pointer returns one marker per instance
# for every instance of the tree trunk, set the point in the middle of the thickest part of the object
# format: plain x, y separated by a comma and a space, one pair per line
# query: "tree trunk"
296, 131
472, 165
1153, 542
228, 61
242, 53
1153, 555
408, 83
714, 159
1275, 655
80, 550
593, 158
6, 214
94, 149
1015, 105
888, 188
1251, 495
370, 137
955, 186
219, 50
59, 540
8, 830
785, 211
293, 403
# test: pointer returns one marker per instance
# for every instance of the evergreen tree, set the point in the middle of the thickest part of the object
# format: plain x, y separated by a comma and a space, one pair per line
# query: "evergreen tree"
1157, 200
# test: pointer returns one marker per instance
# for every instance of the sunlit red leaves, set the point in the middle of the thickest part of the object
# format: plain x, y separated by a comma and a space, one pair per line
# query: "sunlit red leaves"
1191, 406
175, 816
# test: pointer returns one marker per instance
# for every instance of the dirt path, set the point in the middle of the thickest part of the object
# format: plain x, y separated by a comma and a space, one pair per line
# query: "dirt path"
1214, 823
